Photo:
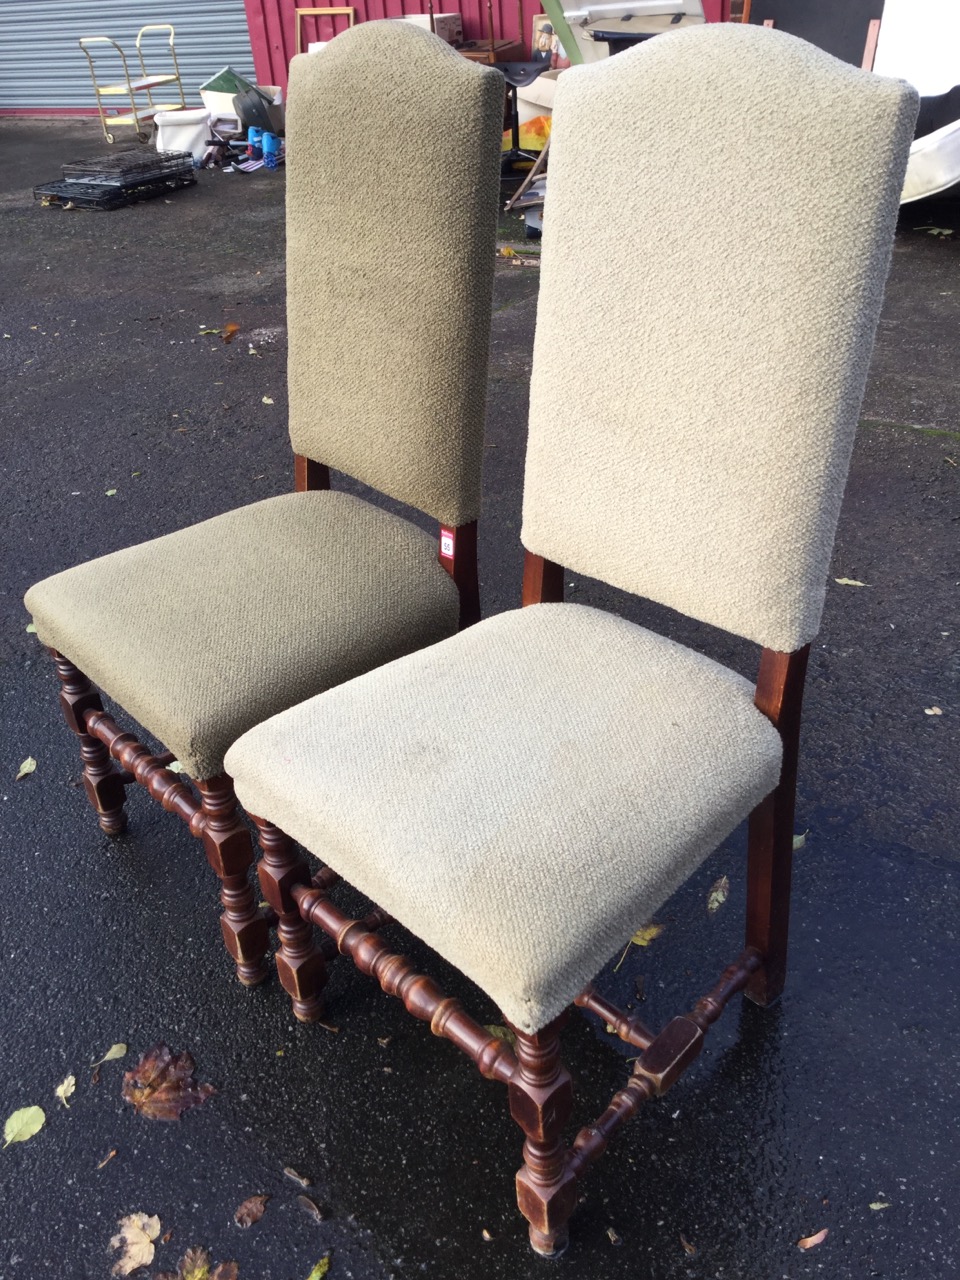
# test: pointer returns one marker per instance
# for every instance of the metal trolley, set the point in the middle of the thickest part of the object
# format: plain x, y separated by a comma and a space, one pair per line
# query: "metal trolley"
140, 116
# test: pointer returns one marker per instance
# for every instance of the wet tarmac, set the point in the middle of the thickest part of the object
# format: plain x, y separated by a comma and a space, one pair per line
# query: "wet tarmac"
807, 1116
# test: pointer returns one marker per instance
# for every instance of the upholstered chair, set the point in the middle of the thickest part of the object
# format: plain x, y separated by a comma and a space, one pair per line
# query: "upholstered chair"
524, 795
201, 634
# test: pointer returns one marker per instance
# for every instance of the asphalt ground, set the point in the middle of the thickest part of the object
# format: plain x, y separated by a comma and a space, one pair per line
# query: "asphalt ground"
798, 1118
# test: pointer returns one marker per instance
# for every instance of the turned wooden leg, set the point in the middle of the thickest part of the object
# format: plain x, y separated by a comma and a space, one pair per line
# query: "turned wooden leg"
101, 780
229, 851
300, 964
541, 1099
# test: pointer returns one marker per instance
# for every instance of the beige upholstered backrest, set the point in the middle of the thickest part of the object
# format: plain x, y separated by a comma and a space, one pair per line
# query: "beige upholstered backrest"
392, 190
720, 212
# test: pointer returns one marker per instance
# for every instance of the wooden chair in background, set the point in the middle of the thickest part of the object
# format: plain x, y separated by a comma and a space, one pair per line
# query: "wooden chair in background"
201, 634
526, 794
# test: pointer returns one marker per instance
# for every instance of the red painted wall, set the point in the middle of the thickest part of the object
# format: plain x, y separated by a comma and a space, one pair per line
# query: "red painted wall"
273, 39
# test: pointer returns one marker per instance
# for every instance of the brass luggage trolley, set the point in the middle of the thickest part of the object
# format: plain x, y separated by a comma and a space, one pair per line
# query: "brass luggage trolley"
139, 116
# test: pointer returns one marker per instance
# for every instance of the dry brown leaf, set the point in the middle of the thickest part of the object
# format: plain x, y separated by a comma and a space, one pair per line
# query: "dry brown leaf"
296, 1177
161, 1086
850, 582
613, 1237
230, 331
485, 1234
107, 1158
688, 1248
251, 1211
309, 1206
135, 1237
226, 1271
811, 1242
719, 892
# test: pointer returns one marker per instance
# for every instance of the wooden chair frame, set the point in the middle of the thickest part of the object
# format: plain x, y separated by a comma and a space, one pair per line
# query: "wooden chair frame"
539, 1087
114, 759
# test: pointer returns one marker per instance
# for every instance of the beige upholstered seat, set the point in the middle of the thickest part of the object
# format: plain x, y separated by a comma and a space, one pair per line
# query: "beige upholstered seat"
300, 591
523, 796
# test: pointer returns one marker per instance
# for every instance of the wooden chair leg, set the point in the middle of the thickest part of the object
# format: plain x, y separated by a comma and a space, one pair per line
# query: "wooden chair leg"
770, 841
769, 875
300, 964
541, 1099
101, 780
229, 851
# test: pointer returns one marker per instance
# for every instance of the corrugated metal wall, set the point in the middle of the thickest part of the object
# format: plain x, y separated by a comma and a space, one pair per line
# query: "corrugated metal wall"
41, 64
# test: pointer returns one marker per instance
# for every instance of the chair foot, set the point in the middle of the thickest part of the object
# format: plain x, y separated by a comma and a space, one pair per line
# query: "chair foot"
541, 1099
230, 852
548, 1245
301, 967
102, 780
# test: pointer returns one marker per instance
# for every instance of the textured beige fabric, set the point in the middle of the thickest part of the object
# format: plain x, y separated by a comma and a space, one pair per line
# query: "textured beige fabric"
391, 231
523, 796
205, 632
697, 378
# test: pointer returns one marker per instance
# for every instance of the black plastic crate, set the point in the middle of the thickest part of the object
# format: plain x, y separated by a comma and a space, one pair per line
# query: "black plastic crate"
129, 168
106, 195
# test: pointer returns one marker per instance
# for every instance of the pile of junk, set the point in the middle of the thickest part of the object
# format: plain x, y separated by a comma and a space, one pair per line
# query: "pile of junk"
913, 40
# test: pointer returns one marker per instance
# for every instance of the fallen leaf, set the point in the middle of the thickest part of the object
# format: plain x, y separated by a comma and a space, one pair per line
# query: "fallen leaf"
161, 1086
507, 252
166, 1237
251, 1211
225, 1271
320, 1269
927, 711
195, 1264
266, 400
877, 1205
175, 766
688, 1248
136, 1236
107, 1158
230, 331
485, 1234
66, 1090
110, 492
308, 1206
800, 840
811, 1242
383, 1041
719, 892
203, 332
28, 766
297, 1177
613, 1237
501, 1033
95, 1078
850, 582
23, 1124
31, 627
113, 1053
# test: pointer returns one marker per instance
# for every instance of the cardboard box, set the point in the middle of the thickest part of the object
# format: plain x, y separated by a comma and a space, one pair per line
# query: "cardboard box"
536, 99
448, 26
